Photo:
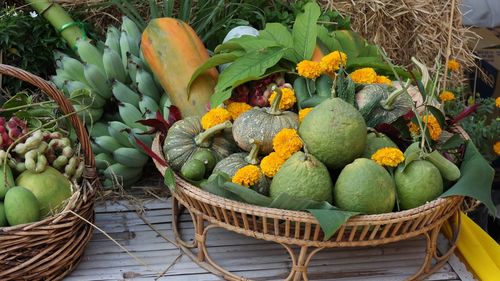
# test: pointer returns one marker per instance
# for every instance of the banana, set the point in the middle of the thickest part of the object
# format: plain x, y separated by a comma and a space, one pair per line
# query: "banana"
118, 131
164, 106
58, 81
113, 39
97, 129
96, 149
71, 85
108, 143
89, 53
73, 68
132, 70
88, 115
58, 56
85, 96
104, 160
146, 139
124, 94
146, 84
124, 48
113, 65
130, 157
121, 172
130, 114
131, 28
148, 106
97, 80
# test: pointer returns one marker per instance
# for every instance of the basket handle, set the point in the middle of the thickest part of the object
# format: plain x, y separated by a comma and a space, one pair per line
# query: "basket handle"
66, 106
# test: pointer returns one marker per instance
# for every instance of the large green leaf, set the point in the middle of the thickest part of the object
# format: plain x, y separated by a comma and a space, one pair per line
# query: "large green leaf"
289, 202
169, 180
247, 43
279, 33
248, 195
476, 180
215, 185
331, 220
214, 61
246, 68
304, 31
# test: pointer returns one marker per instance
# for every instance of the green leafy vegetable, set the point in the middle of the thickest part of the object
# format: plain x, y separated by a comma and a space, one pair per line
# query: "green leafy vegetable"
169, 180
304, 31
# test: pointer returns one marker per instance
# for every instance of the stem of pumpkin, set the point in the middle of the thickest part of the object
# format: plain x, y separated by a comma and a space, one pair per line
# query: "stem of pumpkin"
275, 106
389, 103
251, 158
210, 132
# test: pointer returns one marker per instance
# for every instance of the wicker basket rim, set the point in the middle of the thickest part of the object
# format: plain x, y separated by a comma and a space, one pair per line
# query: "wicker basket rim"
213, 199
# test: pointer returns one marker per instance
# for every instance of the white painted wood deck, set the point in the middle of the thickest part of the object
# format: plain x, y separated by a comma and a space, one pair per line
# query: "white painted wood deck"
147, 237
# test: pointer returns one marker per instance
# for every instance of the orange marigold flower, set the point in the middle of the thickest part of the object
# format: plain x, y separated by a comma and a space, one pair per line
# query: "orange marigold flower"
453, 65
496, 148
247, 176
365, 75
433, 126
446, 96
303, 113
288, 98
388, 156
287, 142
309, 69
271, 164
383, 80
237, 108
215, 116
413, 128
333, 61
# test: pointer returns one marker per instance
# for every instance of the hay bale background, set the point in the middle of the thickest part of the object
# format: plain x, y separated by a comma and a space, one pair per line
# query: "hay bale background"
406, 28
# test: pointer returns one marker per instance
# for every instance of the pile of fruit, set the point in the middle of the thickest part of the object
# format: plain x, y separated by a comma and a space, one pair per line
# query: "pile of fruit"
326, 119
112, 88
37, 172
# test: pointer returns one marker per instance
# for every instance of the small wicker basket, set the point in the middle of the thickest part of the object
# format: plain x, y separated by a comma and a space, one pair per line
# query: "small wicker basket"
50, 249
298, 228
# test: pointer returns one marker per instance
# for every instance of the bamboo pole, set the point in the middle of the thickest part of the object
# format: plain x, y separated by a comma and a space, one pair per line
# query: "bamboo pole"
60, 20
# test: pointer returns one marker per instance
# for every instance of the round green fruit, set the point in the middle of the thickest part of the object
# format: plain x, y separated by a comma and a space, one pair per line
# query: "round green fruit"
376, 141
366, 187
193, 170
21, 206
334, 132
207, 157
303, 176
3, 218
420, 182
6, 180
50, 187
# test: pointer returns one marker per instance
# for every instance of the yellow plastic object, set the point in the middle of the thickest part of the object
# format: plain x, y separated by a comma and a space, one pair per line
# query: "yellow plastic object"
479, 251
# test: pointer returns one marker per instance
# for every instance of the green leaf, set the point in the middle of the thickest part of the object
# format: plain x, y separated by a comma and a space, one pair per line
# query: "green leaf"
248, 195
219, 97
304, 31
215, 185
278, 33
438, 114
212, 62
476, 180
246, 68
453, 142
169, 180
19, 99
289, 202
327, 40
331, 220
247, 43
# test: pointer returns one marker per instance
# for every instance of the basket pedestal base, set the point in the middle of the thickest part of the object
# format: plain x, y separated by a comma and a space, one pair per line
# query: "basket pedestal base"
300, 259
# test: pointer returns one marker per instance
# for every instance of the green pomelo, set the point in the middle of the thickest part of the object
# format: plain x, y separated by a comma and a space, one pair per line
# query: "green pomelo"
376, 141
3, 218
50, 187
303, 176
193, 169
420, 182
334, 132
21, 206
207, 157
6, 180
366, 187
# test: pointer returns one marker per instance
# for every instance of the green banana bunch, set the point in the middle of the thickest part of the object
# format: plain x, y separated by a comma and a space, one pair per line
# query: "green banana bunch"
111, 89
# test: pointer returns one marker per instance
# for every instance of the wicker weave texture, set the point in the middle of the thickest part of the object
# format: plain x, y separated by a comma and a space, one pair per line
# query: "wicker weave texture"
50, 249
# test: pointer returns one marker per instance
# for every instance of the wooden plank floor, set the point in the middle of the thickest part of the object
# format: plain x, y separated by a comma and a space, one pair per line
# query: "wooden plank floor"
152, 257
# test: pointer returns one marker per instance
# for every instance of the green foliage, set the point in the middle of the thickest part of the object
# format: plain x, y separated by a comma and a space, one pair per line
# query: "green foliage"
27, 42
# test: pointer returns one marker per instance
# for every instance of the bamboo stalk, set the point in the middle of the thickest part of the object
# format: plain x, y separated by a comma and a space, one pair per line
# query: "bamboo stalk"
60, 20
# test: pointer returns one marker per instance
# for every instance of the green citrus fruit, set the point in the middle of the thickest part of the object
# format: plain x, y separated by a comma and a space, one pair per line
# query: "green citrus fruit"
21, 206
303, 176
376, 141
207, 157
3, 218
420, 182
334, 132
366, 187
6, 180
193, 170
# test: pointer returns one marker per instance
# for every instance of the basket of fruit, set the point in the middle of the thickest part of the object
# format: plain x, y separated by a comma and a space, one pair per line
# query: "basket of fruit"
313, 138
48, 183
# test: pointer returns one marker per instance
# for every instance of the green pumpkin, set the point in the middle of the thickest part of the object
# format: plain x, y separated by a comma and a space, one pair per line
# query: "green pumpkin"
231, 164
262, 124
186, 137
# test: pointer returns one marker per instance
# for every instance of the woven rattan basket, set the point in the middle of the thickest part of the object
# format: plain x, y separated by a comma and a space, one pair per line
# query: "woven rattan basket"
297, 228
51, 248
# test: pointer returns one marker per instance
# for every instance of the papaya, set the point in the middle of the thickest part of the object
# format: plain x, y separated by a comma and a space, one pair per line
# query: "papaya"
174, 51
